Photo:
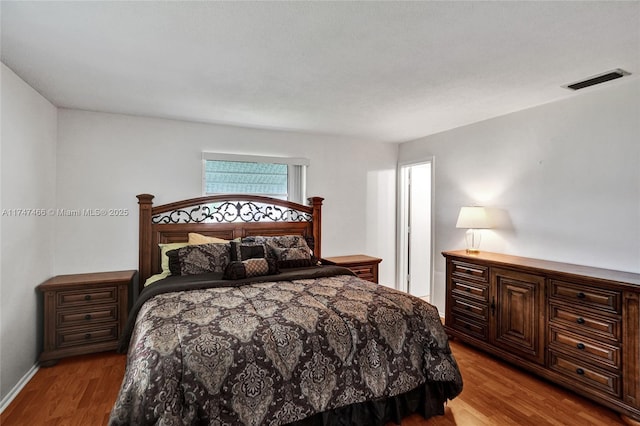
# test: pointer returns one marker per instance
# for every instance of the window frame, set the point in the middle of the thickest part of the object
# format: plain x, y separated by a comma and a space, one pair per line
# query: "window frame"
296, 171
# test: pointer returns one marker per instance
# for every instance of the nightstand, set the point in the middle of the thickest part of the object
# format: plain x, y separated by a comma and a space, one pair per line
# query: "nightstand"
83, 313
365, 267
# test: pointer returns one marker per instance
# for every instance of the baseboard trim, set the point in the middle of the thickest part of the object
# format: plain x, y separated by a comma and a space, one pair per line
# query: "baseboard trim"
18, 387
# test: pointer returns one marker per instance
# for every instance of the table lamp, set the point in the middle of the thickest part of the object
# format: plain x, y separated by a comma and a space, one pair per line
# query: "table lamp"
474, 219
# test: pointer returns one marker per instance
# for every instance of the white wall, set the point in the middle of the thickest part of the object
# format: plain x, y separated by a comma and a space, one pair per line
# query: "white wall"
105, 160
562, 179
28, 154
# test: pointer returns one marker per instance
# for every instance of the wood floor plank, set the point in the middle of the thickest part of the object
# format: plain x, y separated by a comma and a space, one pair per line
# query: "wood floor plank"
80, 391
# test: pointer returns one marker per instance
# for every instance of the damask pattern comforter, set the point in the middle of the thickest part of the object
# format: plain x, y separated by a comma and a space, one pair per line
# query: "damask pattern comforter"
274, 352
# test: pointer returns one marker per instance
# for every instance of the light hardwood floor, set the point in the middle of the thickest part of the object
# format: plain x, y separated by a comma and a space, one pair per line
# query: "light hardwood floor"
80, 391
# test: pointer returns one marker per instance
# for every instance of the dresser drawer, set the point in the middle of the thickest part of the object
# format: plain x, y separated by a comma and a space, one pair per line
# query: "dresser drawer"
468, 307
89, 296
586, 322
470, 327
89, 315
470, 271
470, 289
580, 347
581, 295
586, 374
86, 336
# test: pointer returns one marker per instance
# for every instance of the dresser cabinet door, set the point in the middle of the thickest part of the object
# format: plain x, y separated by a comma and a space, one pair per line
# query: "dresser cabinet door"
517, 308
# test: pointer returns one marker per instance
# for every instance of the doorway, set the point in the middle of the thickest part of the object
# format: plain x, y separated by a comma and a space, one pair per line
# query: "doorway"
414, 229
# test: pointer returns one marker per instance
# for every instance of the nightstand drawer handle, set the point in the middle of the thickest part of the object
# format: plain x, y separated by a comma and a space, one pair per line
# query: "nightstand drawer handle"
580, 320
87, 317
580, 346
87, 297
581, 295
87, 336
580, 371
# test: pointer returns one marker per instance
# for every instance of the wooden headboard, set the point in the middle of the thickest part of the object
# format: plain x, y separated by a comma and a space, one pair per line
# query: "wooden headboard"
222, 216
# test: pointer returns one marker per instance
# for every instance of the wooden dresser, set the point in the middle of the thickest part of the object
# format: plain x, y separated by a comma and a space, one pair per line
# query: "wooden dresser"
365, 267
83, 313
574, 325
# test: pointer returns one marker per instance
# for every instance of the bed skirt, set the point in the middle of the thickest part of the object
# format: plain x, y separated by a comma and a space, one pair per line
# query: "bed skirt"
427, 400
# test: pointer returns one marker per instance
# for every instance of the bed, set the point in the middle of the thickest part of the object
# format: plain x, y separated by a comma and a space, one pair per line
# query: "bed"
248, 328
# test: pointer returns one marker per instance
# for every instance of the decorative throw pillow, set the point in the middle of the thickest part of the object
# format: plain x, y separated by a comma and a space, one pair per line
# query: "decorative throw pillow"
279, 241
244, 251
294, 253
174, 261
203, 258
240, 269
294, 258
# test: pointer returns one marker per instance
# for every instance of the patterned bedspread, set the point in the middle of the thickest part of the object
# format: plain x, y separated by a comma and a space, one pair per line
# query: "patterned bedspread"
275, 352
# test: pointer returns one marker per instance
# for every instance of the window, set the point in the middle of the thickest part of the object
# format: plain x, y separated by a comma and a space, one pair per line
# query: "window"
276, 177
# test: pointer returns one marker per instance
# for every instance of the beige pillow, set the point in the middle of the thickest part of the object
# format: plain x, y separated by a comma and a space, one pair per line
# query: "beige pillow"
157, 277
197, 239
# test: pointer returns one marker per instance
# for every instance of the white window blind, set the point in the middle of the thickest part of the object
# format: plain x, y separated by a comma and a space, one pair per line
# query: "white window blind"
277, 177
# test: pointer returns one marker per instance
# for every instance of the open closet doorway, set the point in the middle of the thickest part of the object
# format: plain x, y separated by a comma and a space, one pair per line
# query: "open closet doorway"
414, 229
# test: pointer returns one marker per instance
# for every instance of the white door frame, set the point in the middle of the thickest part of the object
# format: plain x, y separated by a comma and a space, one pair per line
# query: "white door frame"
401, 225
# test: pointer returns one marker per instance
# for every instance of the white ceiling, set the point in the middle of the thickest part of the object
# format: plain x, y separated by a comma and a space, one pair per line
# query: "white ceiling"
390, 71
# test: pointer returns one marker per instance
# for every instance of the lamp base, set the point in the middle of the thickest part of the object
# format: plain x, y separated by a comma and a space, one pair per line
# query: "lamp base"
472, 237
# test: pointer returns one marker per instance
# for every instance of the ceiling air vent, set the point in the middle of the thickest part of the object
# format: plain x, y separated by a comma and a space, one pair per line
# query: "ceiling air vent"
597, 79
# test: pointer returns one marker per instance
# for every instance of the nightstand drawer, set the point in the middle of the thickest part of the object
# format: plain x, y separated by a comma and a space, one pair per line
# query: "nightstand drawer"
365, 267
96, 314
364, 272
69, 299
81, 337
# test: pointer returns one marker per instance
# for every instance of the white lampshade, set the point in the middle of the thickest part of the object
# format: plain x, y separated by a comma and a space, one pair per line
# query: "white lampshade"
473, 218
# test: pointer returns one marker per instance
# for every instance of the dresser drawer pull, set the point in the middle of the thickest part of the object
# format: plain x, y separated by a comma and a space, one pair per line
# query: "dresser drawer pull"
580, 320
580, 371
87, 317
580, 346
87, 297
87, 336
581, 295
